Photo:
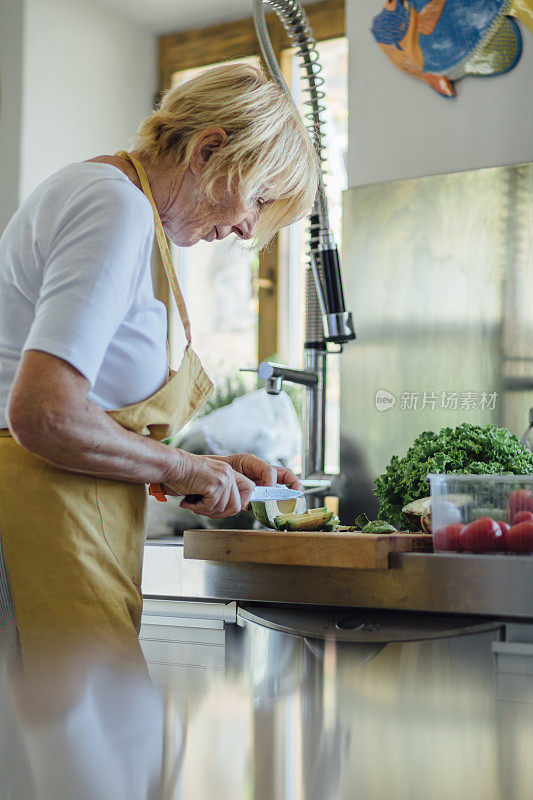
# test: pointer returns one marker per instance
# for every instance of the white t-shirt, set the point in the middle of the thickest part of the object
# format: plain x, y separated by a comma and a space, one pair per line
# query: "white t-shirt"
75, 282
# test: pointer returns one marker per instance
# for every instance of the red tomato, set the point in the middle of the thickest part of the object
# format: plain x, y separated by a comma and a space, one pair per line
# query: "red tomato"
504, 527
519, 538
447, 538
523, 516
481, 536
521, 500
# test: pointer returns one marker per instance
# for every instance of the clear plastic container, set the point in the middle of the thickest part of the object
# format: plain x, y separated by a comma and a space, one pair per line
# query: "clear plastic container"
482, 513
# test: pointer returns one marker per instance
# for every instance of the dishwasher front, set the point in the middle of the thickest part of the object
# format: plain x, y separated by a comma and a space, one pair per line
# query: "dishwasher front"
351, 703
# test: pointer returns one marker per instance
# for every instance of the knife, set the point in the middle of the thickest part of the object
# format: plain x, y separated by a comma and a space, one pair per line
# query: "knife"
278, 492
259, 494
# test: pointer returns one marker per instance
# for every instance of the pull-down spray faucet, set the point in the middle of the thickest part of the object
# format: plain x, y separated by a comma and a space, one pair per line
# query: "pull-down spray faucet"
274, 374
327, 320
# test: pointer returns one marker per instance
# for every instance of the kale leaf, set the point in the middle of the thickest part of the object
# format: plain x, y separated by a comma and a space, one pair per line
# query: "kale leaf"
469, 449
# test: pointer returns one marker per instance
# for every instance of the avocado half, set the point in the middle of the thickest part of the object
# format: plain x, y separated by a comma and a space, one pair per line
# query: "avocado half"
266, 511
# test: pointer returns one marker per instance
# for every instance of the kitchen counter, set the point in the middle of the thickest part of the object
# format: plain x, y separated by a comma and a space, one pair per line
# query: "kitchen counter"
490, 585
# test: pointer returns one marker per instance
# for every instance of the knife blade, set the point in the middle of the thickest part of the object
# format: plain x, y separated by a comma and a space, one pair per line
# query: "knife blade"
259, 494
279, 492
262, 494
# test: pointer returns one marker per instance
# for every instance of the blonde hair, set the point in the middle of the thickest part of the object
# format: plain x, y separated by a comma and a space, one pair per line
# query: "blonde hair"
267, 154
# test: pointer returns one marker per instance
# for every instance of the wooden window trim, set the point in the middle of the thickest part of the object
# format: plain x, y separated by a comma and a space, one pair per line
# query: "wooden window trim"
231, 40
197, 48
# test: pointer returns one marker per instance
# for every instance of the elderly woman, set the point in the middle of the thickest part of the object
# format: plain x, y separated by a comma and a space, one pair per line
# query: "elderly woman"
86, 394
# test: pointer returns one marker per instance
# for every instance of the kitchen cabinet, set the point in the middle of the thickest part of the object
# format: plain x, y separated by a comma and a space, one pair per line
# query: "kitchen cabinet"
513, 664
184, 642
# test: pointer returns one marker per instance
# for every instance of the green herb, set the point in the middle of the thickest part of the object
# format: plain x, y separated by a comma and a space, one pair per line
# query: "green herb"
379, 526
467, 449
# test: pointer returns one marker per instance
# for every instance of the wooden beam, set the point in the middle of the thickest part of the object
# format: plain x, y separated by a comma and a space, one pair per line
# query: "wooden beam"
229, 40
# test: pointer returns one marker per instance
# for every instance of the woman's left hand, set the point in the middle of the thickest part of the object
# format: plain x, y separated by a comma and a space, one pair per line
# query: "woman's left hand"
260, 472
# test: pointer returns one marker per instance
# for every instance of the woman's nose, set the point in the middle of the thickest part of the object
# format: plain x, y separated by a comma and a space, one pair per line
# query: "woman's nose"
246, 228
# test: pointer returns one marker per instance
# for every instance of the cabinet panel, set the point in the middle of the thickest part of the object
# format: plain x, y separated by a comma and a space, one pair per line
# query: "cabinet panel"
173, 633
183, 677
183, 653
183, 641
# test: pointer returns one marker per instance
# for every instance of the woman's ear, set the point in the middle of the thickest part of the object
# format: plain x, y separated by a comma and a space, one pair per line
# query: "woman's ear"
208, 142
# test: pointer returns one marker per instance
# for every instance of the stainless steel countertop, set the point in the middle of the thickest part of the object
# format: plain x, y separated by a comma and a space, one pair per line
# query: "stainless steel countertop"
500, 586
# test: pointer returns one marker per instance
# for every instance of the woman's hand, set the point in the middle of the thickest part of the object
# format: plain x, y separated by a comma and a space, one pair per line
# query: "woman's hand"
259, 471
224, 490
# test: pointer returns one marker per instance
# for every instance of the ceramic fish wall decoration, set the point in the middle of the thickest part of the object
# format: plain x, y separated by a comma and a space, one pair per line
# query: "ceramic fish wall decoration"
441, 41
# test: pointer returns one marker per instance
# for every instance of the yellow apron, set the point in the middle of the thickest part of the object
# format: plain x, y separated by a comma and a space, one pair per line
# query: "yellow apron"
73, 544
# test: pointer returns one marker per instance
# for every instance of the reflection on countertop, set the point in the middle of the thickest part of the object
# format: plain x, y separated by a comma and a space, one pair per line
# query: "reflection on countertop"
289, 718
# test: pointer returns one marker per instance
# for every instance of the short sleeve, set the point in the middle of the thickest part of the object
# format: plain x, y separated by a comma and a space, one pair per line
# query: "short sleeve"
99, 251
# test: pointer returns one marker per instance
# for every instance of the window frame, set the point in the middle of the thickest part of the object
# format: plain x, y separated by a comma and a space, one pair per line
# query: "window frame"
223, 42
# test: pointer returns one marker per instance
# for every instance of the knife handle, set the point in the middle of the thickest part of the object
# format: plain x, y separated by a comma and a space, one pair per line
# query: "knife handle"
192, 498
157, 490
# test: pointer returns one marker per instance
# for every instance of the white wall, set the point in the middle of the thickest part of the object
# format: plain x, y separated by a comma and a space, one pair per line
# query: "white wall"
401, 128
11, 33
89, 78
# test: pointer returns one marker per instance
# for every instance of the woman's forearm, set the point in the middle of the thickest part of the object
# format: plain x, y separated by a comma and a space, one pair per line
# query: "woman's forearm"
94, 444
50, 414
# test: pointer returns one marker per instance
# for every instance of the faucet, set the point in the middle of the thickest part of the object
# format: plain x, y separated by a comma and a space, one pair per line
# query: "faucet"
313, 413
313, 409
275, 374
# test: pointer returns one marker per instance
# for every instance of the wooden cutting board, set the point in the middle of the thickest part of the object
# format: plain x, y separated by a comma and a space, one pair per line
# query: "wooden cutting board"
302, 548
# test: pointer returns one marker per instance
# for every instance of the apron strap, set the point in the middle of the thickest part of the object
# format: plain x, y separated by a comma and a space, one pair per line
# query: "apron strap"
162, 242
